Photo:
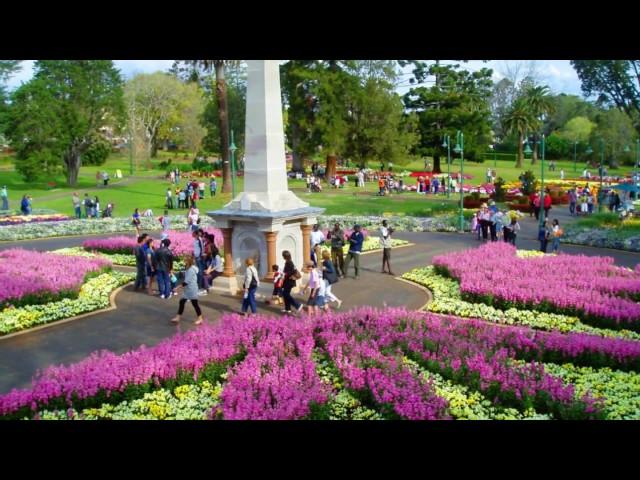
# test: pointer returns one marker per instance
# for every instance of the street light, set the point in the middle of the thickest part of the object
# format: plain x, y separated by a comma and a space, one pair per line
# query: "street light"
446, 143
542, 183
130, 154
600, 193
232, 149
459, 148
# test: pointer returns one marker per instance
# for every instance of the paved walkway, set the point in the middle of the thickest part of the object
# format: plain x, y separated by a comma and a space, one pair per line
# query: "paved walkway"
142, 319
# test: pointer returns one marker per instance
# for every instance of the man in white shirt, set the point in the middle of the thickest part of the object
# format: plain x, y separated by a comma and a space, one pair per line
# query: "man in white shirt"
385, 243
317, 239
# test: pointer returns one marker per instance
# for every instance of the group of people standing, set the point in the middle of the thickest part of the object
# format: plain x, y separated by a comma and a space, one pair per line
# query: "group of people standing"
91, 207
491, 223
581, 201
187, 196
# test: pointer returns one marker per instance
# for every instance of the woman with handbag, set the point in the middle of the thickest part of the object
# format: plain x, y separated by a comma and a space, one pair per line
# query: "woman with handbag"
190, 292
330, 276
250, 286
291, 274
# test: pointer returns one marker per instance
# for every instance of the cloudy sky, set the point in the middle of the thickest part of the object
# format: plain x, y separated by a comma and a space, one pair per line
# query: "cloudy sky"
558, 74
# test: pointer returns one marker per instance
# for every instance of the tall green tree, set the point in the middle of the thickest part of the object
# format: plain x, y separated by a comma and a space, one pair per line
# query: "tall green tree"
539, 102
459, 100
236, 101
615, 82
219, 67
615, 128
7, 69
578, 129
66, 103
519, 121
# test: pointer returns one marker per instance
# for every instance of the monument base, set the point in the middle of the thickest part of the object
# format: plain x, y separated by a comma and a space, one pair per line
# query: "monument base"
228, 285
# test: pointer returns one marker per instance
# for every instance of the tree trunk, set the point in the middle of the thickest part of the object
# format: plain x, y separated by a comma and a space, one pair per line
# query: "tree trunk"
332, 161
520, 151
223, 121
436, 163
154, 148
72, 162
298, 159
534, 155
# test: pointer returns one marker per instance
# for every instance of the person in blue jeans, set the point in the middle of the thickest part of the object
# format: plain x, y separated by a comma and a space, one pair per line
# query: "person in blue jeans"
250, 285
140, 262
164, 262
5, 198
355, 249
199, 255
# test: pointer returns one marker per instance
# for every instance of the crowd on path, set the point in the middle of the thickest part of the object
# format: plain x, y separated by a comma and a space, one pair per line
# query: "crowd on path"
157, 266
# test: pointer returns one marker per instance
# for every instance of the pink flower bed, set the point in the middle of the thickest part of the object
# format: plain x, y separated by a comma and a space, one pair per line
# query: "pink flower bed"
181, 243
272, 373
29, 276
590, 287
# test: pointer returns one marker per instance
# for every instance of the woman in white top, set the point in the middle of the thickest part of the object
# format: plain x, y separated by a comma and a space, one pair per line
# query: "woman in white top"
250, 285
216, 267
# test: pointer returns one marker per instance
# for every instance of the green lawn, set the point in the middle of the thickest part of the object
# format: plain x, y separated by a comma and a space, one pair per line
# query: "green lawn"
147, 188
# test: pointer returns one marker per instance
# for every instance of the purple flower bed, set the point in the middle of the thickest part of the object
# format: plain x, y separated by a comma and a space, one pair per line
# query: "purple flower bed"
29, 277
181, 243
592, 288
271, 372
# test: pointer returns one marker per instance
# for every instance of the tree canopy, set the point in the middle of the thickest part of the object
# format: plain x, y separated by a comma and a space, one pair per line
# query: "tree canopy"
56, 117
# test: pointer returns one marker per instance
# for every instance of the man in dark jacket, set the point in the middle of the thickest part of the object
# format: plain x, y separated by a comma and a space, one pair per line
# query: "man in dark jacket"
164, 261
337, 242
355, 249
140, 262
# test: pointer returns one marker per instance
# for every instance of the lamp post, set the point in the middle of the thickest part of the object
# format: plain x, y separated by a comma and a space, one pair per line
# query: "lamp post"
446, 143
130, 153
232, 149
600, 195
459, 148
542, 184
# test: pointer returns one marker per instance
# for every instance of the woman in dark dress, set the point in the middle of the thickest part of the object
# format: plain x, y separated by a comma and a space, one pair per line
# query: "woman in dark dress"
290, 274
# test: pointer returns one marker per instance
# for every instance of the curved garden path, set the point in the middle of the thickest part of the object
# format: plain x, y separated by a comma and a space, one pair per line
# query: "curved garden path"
141, 319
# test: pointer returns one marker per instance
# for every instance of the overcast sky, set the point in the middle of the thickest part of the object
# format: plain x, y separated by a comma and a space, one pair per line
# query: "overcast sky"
558, 74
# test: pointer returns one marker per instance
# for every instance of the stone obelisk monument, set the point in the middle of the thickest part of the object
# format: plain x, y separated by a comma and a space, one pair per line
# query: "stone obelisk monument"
266, 218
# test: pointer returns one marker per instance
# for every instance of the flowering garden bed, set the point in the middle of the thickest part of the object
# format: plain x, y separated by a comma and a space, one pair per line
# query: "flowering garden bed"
93, 295
363, 364
590, 288
30, 277
27, 231
19, 219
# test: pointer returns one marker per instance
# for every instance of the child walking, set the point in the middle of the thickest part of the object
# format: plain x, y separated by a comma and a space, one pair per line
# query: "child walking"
278, 281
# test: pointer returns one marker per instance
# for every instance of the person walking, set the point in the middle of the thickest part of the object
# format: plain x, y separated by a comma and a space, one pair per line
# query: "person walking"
96, 207
337, 253
5, 198
385, 243
213, 186
165, 221
316, 239
75, 199
150, 263
182, 199
291, 275
543, 236
198, 255
536, 205
140, 263
169, 198
250, 285
201, 189
190, 292
547, 203
164, 262
514, 228
556, 234
88, 205
135, 220
573, 200
105, 179
313, 285
330, 277
355, 249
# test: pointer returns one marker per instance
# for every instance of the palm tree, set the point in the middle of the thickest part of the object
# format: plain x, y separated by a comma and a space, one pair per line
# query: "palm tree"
539, 102
223, 116
519, 120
